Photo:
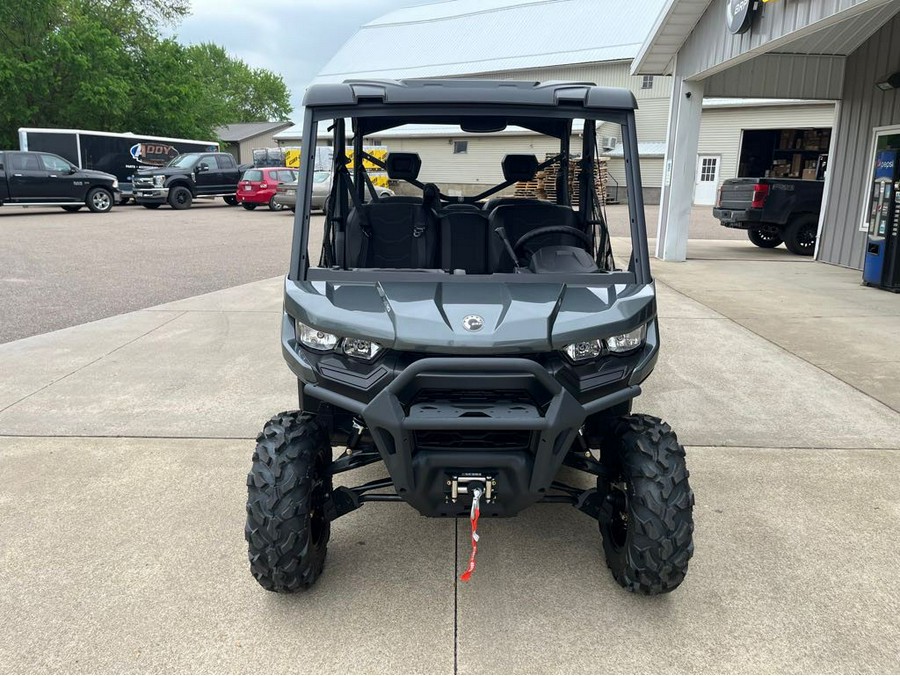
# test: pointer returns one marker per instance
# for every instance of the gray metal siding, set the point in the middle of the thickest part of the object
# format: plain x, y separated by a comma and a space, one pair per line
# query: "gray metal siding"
864, 107
710, 45
780, 76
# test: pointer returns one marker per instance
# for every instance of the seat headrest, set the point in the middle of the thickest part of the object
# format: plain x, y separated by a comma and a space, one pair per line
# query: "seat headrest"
519, 167
403, 166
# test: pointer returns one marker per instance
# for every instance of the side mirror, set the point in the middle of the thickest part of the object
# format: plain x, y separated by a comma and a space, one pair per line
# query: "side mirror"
72, 170
203, 166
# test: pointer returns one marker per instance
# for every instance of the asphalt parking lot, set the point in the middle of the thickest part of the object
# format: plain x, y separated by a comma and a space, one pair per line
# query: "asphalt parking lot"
59, 269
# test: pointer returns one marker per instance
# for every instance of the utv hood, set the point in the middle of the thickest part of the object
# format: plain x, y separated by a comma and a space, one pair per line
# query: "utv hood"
434, 316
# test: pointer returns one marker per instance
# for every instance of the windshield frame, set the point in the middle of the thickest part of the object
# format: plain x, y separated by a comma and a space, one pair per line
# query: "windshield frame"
300, 269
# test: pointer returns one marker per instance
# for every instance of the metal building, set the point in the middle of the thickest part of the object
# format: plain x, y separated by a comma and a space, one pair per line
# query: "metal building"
542, 40
846, 51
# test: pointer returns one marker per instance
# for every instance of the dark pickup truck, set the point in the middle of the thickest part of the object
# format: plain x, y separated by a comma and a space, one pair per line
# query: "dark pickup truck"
773, 210
187, 177
42, 179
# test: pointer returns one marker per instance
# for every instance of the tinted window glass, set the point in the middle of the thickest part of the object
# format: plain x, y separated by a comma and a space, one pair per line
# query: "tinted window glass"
226, 162
320, 177
24, 162
286, 176
54, 163
253, 175
211, 162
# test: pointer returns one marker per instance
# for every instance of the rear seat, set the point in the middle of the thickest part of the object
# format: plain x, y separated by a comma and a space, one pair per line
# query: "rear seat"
402, 231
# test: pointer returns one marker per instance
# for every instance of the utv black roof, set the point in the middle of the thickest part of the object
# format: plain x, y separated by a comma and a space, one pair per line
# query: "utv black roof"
485, 92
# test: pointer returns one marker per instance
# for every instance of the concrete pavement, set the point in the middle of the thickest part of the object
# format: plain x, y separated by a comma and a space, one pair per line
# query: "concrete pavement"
124, 445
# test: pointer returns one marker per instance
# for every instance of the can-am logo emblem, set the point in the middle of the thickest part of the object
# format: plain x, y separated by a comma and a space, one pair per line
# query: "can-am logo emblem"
473, 323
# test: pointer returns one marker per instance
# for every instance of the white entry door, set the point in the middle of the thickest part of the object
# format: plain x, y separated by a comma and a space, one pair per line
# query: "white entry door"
707, 181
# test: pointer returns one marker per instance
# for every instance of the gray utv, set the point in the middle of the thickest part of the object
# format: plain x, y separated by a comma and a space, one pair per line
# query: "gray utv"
473, 345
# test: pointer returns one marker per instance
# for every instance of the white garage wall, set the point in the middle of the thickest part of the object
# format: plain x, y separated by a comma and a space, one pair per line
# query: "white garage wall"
720, 128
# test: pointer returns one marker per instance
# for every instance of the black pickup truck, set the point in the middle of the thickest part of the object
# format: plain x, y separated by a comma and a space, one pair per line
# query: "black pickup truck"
42, 179
773, 210
187, 177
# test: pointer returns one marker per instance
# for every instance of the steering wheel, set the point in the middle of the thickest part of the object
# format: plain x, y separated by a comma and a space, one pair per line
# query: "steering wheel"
552, 230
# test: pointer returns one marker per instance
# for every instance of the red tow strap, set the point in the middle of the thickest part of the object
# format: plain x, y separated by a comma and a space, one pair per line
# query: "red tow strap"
473, 517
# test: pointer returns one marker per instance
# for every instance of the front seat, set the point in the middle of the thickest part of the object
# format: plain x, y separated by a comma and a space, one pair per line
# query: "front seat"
520, 216
392, 232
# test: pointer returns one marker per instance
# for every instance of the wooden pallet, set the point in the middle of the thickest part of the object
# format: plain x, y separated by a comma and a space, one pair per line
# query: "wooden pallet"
543, 186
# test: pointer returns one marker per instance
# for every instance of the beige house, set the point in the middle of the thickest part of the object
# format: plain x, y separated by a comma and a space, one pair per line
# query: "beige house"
242, 139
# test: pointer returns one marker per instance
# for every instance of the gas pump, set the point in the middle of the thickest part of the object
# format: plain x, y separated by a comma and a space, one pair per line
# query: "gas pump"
882, 264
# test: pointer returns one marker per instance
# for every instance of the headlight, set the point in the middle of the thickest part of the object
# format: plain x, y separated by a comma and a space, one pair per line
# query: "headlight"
589, 349
315, 339
627, 341
158, 181
360, 349
115, 184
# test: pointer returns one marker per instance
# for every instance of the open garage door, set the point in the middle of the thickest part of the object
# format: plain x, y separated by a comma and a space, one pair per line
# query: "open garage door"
784, 153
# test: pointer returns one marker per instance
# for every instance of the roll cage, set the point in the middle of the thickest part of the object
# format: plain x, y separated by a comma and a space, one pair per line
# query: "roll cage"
547, 109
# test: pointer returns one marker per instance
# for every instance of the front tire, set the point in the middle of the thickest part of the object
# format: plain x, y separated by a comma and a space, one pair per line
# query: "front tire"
180, 198
275, 206
99, 200
287, 528
646, 507
765, 236
800, 235
248, 206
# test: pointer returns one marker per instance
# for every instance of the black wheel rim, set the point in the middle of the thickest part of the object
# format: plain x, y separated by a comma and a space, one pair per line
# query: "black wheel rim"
806, 238
768, 233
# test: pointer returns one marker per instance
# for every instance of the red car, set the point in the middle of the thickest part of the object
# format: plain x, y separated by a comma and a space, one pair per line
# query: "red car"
257, 186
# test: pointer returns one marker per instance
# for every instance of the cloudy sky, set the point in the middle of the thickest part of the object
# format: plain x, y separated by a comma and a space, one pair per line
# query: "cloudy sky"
294, 38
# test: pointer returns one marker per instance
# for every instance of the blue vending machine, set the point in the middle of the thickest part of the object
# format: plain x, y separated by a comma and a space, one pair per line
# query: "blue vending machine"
882, 245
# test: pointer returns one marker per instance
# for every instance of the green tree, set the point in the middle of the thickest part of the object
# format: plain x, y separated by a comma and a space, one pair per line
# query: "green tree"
101, 64
249, 94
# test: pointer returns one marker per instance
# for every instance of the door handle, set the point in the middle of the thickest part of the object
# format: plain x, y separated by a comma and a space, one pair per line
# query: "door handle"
19, 175
53, 176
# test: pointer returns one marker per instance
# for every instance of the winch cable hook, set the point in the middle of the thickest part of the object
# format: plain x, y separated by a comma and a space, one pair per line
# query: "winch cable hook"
477, 492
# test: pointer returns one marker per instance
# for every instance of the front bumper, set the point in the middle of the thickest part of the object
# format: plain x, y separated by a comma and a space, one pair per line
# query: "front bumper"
505, 419
151, 195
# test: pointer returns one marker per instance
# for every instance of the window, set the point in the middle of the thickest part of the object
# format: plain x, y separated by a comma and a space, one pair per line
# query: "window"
647, 82
460, 147
24, 162
285, 176
320, 176
708, 168
211, 162
226, 162
54, 163
253, 175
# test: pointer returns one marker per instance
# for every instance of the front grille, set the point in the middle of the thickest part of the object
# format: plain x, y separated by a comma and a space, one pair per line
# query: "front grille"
143, 182
474, 397
456, 440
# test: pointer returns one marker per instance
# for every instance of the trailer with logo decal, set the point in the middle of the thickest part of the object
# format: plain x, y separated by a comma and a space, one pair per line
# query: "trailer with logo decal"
118, 154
